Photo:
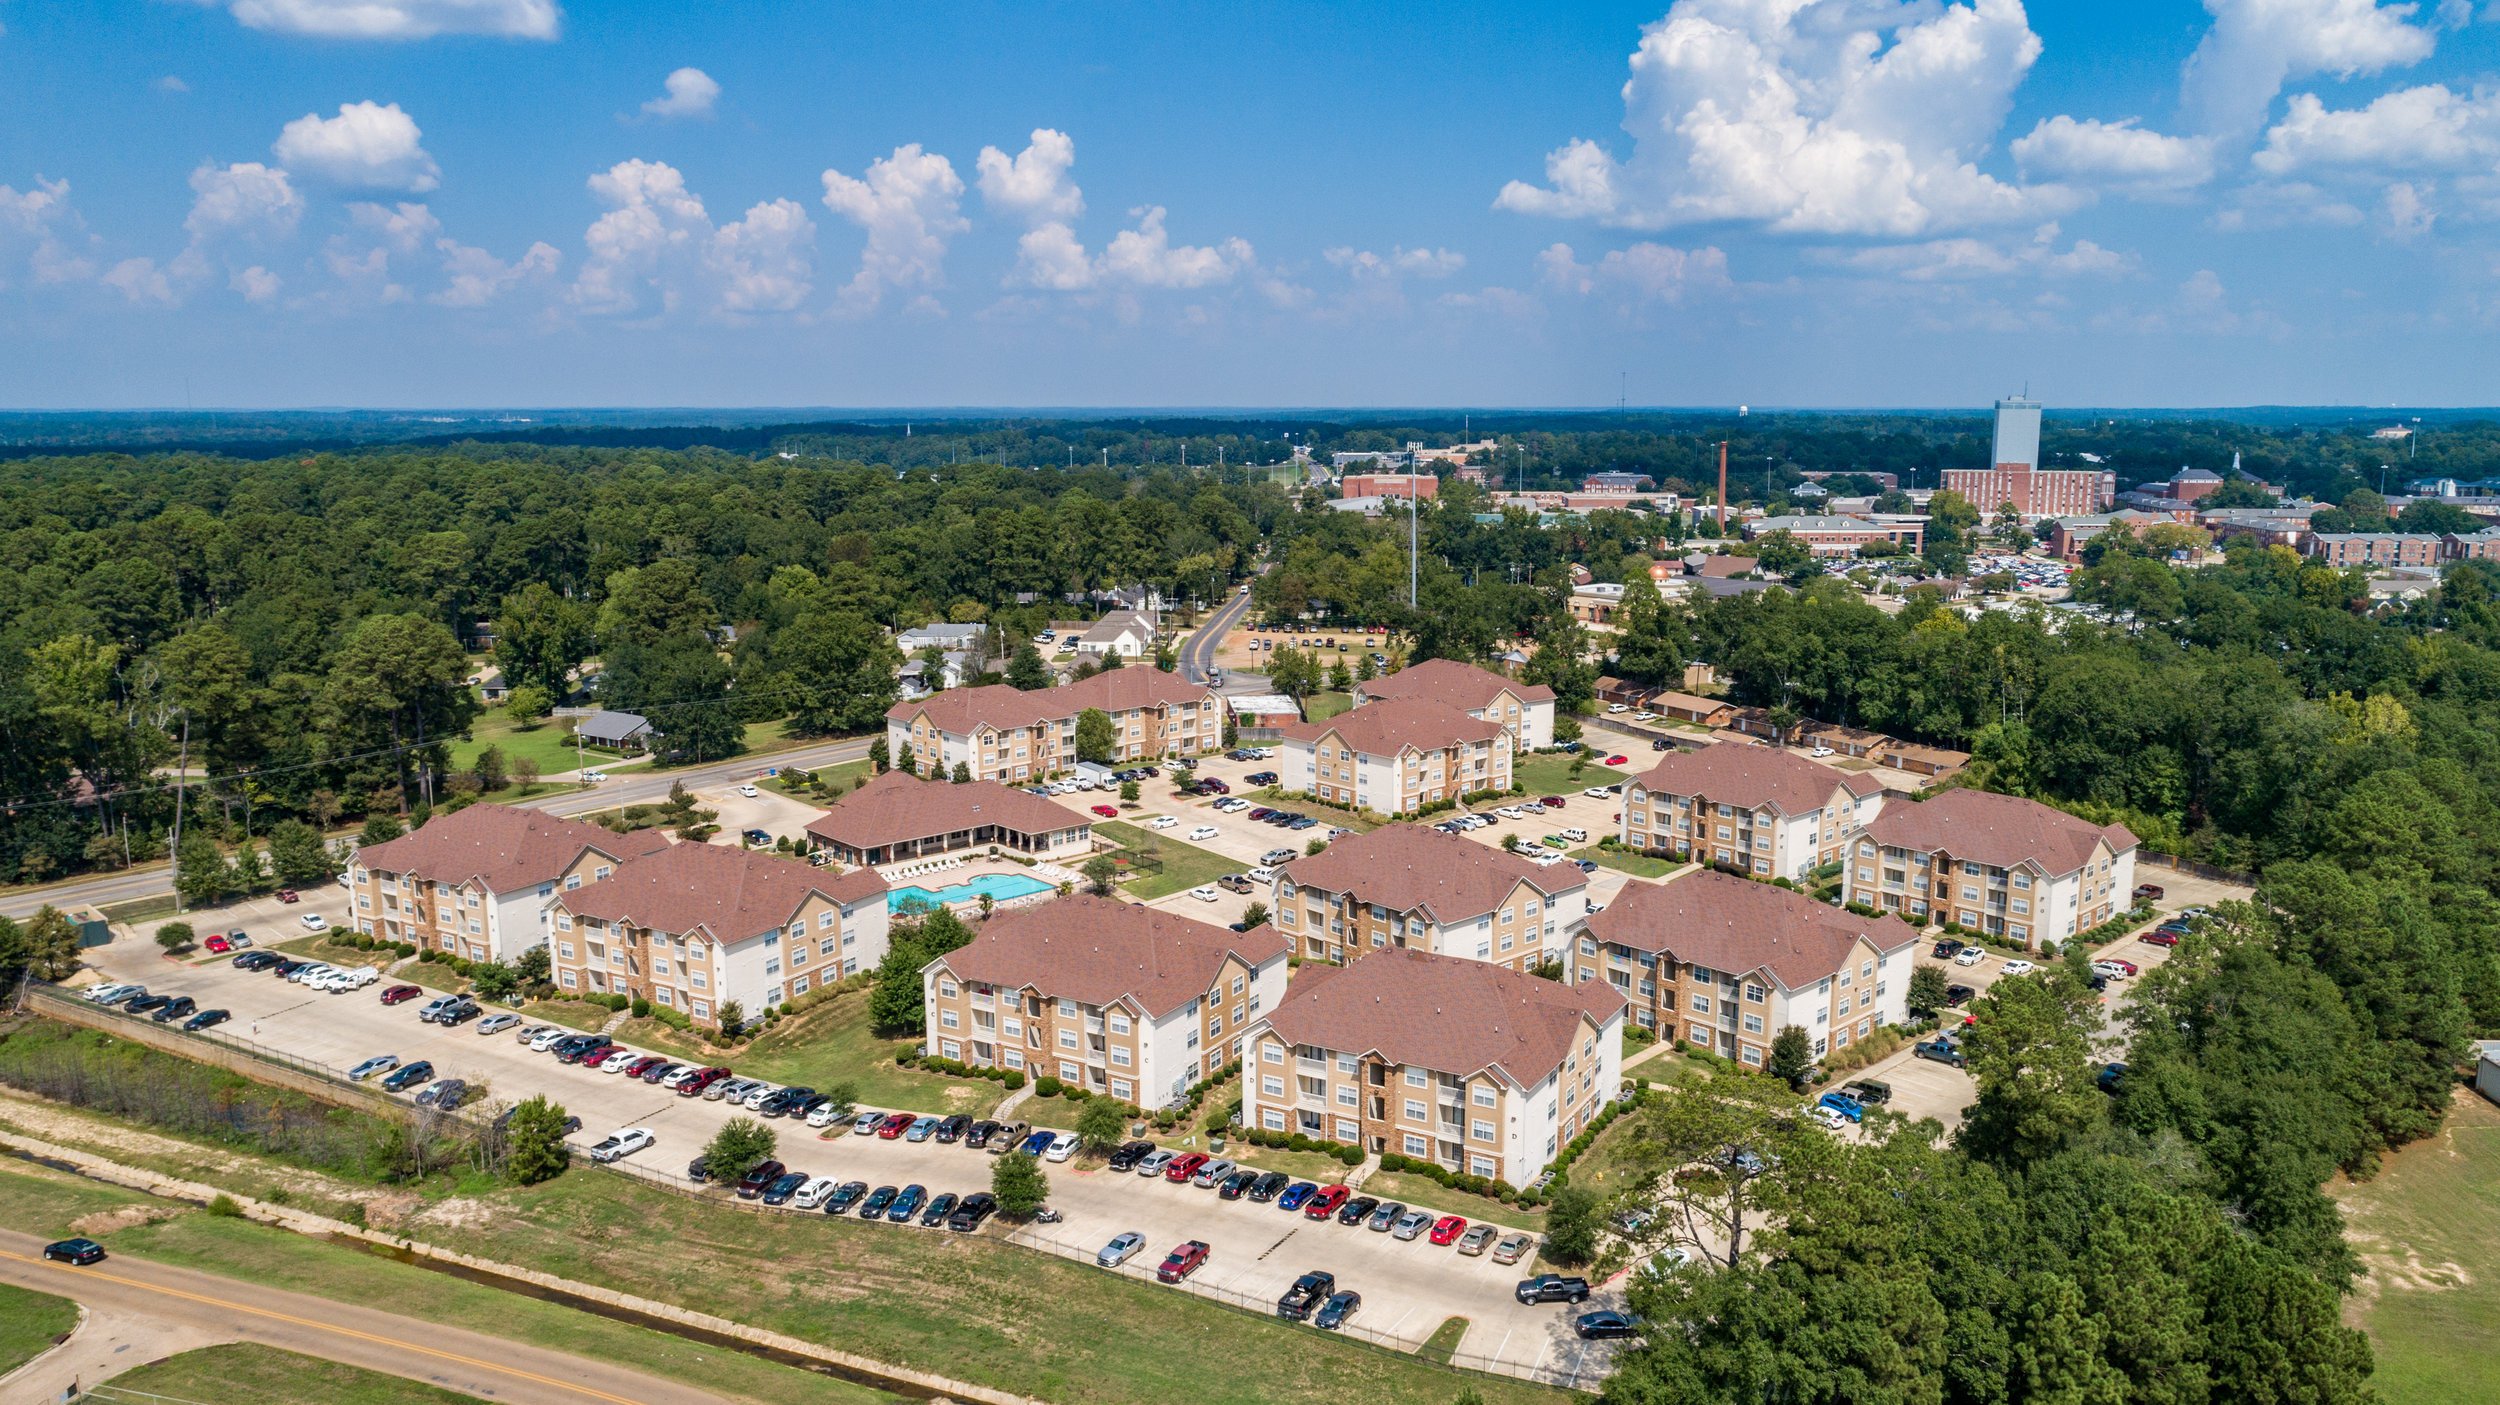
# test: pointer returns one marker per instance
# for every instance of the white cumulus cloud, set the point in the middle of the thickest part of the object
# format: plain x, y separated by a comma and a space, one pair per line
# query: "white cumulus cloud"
1399, 262
2093, 152
41, 222
1820, 116
1651, 272
1147, 257
908, 205
657, 243
256, 283
691, 93
2256, 46
367, 145
2414, 129
474, 277
243, 198
405, 228
1033, 184
399, 19
1965, 259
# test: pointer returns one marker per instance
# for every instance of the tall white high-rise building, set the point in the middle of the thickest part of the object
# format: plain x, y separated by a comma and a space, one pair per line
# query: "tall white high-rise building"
2018, 434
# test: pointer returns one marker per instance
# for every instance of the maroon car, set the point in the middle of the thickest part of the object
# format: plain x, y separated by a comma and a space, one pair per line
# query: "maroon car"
894, 1125
392, 995
693, 1087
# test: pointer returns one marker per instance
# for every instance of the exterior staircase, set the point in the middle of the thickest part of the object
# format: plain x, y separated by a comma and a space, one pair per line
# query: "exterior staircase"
1354, 1179
617, 1021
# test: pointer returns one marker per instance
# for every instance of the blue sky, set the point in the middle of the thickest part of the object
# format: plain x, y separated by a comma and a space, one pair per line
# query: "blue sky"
277, 203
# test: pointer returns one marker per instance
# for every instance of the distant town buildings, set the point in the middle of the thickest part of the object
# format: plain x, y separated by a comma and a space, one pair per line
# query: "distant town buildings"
1836, 537
1391, 485
2015, 475
1525, 711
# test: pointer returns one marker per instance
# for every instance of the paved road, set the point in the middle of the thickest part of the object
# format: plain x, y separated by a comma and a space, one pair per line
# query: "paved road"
200, 1308
1199, 654
629, 788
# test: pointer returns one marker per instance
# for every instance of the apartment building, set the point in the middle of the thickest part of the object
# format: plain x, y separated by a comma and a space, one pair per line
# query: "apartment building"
1391, 485
1395, 756
2010, 867
1756, 808
2034, 491
1122, 1000
699, 925
1485, 1071
1526, 711
475, 882
1726, 963
1003, 734
1834, 537
2373, 548
1411, 886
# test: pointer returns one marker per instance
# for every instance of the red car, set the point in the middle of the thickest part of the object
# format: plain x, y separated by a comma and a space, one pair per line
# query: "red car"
2124, 965
1107, 812
286, 895
392, 995
1183, 1167
893, 1126
643, 1065
693, 1087
1449, 1228
1325, 1204
217, 943
2160, 938
1551, 802
1617, 760
1182, 1262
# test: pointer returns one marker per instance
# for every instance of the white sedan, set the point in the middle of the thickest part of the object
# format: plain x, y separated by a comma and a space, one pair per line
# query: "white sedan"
314, 922
1061, 1147
1161, 822
748, 791
1969, 956
1204, 894
1598, 792
1204, 831
623, 1142
2018, 968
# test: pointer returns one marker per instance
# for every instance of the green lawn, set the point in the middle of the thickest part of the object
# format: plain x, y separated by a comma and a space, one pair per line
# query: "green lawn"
2427, 1229
45, 1201
968, 1305
547, 744
1551, 774
1185, 866
1319, 707
838, 781
572, 1014
1425, 1193
829, 1045
28, 1322
1626, 861
268, 1376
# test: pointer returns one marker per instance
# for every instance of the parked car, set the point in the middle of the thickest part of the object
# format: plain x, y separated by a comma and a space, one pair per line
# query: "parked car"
1411, 1224
2018, 967
1356, 1211
977, 1136
1038, 1142
1206, 1177
894, 1125
406, 1075
1233, 1187
940, 1207
206, 1018
1061, 1147
1843, 1104
314, 922
379, 1063
1268, 1186
1477, 1239
445, 1093
1204, 831
814, 1194
398, 994
907, 1204
951, 1129
1597, 1326
1324, 1204
921, 1129
2108, 1078
1297, 1195
848, 1194
1386, 1217
1552, 1288
1008, 1136
1970, 956
874, 1207
442, 1005
1128, 1155
1941, 1049
2160, 937
1958, 994
1182, 1262
1868, 1090
623, 1142
179, 1008
969, 1212
758, 1176
1306, 1294
1333, 1313
1448, 1228
2147, 893
1513, 1248
1947, 948
1180, 1168
1121, 1249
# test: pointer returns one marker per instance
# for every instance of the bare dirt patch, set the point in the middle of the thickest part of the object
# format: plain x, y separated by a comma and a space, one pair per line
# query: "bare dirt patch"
104, 1222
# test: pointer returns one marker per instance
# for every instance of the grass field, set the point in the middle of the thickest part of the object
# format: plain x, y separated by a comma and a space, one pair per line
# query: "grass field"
547, 744
1185, 866
2428, 1230
572, 1014
1319, 707
28, 1322
829, 1045
1551, 774
968, 1305
268, 1376
44, 1202
1625, 861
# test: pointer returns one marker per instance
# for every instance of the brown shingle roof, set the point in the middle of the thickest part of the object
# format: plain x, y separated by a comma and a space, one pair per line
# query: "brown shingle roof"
1754, 776
896, 807
1387, 728
959, 710
1408, 866
732, 894
1461, 685
1098, 951
1996, 829
1735, 924
1443, 1013
503, 847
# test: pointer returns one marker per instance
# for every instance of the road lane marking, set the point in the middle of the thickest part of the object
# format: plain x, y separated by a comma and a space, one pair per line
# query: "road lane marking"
229, 1305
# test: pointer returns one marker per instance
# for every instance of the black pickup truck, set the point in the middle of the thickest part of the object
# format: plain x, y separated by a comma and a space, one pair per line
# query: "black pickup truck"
1307, 1293
1550, 1288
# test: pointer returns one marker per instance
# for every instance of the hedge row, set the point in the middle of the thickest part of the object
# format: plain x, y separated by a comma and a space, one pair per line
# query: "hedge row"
1012, 1078
1489, 1187
1295, 1141
1561, 1166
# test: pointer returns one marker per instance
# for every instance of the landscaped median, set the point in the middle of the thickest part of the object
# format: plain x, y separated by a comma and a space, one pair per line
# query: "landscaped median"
1185, 866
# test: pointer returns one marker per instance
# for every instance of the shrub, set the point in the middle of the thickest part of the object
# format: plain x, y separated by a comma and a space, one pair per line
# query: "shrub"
641, 1008
1392, 1161
1351, 1155
1047, 1086
224, 1207
1013, 1078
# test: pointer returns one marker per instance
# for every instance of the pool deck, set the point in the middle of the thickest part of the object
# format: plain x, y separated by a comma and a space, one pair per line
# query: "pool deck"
974, 869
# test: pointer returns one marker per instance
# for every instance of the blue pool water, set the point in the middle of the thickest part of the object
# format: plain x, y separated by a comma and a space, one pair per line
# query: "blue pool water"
1000, 887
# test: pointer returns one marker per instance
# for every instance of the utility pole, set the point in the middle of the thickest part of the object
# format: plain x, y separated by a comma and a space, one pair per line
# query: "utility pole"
1414, 538
182, 788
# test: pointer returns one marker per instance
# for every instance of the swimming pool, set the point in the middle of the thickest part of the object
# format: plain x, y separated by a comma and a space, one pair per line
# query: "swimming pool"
999, 886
